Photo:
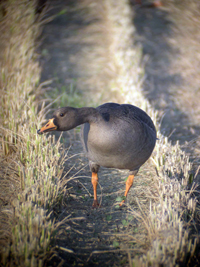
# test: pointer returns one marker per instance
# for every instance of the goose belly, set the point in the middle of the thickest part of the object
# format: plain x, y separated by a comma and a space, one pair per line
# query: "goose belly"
113, 148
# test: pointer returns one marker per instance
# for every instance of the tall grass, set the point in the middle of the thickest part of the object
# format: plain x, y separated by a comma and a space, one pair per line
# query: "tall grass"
32, 165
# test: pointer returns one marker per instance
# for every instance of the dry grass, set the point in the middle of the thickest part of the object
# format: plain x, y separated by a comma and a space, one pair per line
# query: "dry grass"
169, 219
187, 32
31, 165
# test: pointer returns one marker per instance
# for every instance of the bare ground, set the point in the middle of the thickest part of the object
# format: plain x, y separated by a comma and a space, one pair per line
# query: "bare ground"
71, 45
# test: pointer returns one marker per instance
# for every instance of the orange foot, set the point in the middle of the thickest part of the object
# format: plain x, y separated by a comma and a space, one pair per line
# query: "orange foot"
95, 204
122, 202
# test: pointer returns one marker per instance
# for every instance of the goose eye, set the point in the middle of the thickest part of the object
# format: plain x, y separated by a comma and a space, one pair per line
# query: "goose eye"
61, 114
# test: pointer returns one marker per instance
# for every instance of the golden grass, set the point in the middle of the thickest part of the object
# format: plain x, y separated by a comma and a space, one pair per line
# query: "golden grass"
31, 165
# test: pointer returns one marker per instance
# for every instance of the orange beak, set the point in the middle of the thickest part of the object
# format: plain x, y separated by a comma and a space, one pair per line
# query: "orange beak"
50, 126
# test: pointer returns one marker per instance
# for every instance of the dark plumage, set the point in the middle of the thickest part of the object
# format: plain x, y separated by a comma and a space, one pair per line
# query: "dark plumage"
113, 135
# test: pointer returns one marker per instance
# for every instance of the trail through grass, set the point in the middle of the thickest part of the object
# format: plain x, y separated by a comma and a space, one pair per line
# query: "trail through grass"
46, 201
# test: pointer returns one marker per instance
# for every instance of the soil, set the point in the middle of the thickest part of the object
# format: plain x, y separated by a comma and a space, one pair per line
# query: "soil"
90, 237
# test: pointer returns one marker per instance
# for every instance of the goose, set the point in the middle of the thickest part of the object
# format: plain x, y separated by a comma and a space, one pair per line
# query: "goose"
120, 136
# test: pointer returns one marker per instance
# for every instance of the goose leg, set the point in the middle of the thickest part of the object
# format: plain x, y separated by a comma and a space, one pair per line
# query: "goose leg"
94, 183
129, 183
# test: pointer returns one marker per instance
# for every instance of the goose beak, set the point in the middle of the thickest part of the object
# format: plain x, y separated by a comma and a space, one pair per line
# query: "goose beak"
50, 126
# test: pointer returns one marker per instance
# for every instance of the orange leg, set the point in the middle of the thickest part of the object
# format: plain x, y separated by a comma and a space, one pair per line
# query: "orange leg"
94, 183
129, 183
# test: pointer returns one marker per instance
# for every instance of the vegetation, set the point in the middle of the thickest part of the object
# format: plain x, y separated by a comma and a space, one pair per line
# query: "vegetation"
166, 219
32, 166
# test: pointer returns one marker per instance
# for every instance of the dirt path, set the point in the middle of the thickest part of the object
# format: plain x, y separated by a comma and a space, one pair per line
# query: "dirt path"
92, 236
74, 52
